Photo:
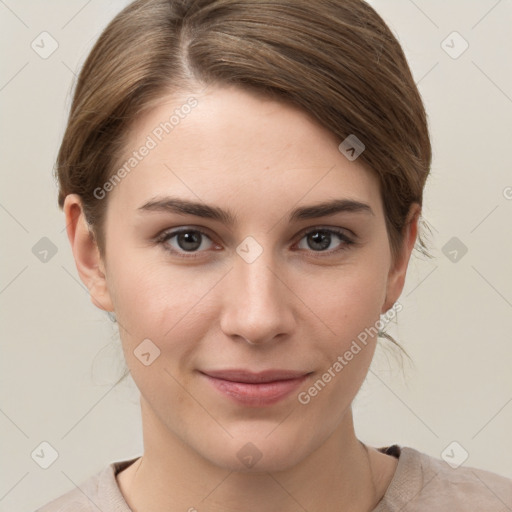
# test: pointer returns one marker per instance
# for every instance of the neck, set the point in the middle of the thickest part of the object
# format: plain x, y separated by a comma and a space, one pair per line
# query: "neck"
339, 476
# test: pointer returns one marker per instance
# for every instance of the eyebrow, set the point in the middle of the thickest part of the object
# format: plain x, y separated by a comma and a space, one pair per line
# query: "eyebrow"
186, 207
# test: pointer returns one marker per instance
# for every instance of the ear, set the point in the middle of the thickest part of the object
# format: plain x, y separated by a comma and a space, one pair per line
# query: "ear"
398, 270
88, 261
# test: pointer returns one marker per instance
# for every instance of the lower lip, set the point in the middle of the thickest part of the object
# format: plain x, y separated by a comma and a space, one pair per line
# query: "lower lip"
256, 395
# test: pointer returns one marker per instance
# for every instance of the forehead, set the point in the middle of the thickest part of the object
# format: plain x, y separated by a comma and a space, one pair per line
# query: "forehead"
225, 143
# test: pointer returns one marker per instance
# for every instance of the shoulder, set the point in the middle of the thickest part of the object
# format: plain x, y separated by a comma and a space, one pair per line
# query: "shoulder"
422, 482
98, 492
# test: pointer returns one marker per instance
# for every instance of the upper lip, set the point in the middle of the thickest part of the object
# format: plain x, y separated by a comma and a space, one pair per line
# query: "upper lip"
239, 375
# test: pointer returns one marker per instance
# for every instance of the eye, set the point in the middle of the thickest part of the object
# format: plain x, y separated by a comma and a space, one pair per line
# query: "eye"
186, 240
320, 239
191, 242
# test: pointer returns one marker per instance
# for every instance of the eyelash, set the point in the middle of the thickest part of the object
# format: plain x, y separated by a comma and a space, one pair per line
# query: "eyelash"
164, 237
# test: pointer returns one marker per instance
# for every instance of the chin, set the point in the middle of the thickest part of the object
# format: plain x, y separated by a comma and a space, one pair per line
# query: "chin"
257, 452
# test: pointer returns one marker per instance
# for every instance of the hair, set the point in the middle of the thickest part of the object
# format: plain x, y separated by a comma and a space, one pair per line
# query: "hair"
337, 60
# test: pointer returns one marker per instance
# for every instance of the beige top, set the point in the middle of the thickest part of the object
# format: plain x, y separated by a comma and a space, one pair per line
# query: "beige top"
420, 483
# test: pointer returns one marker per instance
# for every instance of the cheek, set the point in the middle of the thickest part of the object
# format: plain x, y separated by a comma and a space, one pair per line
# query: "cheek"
166, 303
147, 291
156, 321
349, 305
351, 299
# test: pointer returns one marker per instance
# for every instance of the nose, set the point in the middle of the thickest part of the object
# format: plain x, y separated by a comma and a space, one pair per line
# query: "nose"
258, 304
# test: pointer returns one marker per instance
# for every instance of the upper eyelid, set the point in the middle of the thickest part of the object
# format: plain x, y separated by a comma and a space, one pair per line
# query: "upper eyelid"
320, 227
205, 231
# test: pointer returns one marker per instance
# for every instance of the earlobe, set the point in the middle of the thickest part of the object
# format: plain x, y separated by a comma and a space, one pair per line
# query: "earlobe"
398, 271
88, 261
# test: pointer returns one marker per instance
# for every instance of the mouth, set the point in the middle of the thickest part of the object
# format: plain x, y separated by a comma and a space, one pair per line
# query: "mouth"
255, 389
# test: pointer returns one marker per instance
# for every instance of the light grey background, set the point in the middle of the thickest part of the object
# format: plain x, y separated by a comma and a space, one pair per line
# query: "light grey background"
61, 356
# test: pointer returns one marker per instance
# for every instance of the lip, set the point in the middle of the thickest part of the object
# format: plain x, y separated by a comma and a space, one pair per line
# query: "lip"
255, 389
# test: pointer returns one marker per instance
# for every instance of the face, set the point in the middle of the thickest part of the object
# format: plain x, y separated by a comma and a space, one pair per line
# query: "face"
237, 301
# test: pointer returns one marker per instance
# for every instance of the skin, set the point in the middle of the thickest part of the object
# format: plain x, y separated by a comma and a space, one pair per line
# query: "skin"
294, 307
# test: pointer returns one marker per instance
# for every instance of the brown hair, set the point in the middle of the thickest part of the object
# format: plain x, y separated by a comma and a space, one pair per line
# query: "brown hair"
335, 59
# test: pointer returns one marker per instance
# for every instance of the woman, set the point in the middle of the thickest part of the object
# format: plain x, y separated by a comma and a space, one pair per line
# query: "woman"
242, 183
